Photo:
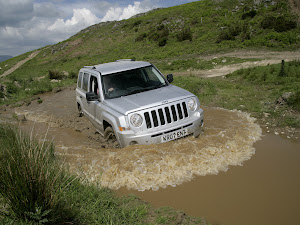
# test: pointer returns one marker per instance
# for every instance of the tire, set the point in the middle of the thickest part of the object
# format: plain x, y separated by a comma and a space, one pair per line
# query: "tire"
109, 134
80, 112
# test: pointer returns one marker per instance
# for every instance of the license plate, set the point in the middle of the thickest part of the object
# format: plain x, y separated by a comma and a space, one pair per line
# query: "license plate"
174, 135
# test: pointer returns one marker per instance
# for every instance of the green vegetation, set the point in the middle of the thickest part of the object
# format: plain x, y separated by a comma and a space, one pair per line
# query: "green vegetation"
22, 88
31, 181
256, 90
36, 188
188, 30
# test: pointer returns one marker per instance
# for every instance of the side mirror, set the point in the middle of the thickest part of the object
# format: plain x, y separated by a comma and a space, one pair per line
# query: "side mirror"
91, 96
170, 78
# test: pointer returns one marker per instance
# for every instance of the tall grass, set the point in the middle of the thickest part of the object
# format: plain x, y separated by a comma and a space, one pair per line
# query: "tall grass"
35, 189
31, 181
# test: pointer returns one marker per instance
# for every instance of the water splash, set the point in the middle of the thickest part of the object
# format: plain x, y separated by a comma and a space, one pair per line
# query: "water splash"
227, 140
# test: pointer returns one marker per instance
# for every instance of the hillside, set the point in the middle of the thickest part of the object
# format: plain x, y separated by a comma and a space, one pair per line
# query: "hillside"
175, 39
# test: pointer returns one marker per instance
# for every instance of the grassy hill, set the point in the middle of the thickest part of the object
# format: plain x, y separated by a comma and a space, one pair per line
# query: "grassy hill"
180, 32
172, 38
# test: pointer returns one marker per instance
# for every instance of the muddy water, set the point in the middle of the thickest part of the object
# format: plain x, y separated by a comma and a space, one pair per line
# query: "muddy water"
265, 190
262, 190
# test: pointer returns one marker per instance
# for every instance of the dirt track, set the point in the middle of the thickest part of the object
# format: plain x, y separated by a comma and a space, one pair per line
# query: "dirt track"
19, 64
263, 58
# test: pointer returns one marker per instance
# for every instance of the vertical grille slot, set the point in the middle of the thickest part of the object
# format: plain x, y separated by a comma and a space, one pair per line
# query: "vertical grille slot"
174, 113
185, 110
179, 111
147, 118
161, 117
167, 111
154, 117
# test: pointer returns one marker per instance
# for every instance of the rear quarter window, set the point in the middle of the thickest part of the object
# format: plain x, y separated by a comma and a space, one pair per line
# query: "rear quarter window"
85, 81
79, 82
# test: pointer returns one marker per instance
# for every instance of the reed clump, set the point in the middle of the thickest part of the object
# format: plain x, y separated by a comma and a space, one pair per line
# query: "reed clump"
31, 180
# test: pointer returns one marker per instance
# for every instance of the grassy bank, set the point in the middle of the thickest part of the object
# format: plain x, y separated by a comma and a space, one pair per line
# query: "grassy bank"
36, 188
270, 93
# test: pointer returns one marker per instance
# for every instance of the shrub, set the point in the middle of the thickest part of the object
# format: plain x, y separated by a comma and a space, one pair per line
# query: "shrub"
161, 35
279, 24
250, 14
54, 74
160, 27
230, 33
31, 182
185, 34
137, 23
162, 42
225, 35
11, 88
72, 75
141, 37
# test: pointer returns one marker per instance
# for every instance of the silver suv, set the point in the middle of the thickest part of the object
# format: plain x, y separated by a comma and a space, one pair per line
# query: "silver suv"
134, 103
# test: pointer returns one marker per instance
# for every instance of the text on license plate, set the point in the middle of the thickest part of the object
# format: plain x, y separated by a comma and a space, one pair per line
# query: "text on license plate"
174, 135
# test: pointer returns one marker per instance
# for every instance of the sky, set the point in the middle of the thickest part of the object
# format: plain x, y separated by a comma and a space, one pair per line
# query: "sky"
26, 25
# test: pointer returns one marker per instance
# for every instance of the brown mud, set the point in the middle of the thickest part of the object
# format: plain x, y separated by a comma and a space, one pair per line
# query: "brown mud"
227, 140
256, 180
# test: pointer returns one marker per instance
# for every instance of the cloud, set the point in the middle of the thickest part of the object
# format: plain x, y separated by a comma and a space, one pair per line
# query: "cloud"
14, 13
30, 24
47, 10
81, 19
118, 13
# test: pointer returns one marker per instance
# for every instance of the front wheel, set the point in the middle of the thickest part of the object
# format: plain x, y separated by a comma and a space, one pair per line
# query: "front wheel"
110, 137
109, 134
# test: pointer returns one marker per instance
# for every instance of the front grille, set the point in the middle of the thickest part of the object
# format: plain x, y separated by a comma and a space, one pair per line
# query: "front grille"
166, 115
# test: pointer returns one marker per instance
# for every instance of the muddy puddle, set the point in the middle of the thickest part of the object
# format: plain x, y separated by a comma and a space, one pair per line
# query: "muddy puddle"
175, 173
264, 191
227, 140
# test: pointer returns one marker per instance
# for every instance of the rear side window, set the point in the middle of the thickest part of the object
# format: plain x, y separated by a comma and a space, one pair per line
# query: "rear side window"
85, 81
79, 80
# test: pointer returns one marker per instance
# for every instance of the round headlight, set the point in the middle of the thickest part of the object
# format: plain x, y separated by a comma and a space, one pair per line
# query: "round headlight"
136, 120
192, 105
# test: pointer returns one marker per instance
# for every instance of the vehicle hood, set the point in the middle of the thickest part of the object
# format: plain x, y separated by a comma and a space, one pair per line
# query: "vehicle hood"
147, 99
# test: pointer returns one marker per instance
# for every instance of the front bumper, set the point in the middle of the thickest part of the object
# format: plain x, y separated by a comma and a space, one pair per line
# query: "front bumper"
193, 125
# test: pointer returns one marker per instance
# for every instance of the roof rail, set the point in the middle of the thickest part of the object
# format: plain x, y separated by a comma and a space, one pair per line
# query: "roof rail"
122, 60
90, 67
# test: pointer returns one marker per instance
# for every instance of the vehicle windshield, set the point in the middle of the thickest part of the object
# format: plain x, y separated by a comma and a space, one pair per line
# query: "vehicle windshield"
131, 82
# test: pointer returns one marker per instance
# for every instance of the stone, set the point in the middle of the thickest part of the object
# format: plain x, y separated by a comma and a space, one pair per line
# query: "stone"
283, 99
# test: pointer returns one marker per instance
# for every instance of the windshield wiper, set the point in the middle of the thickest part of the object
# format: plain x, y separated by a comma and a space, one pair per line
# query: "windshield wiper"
135, 92
144, 89
158, 86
